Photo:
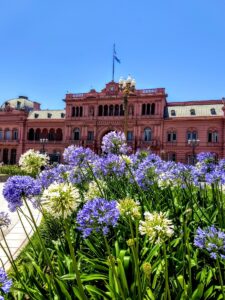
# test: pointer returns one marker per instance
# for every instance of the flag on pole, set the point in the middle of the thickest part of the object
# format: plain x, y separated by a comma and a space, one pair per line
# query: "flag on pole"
115, 58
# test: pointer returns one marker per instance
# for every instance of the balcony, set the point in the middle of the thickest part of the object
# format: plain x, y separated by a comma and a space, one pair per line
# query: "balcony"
49, 142
9, 142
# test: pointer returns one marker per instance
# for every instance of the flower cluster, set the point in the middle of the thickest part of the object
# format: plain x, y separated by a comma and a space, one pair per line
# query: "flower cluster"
17, 187
32, 161
115, 142
61, 199
156, 227
110, 165
4, 220
5, 282
58, 173
212, 240
129, 208
97, 215
78, 156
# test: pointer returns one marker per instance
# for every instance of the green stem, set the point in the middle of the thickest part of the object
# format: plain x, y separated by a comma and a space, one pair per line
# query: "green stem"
75, 267
136, 260
113, 268
96, 180
40, 239
189, 258
167, 289
220, 277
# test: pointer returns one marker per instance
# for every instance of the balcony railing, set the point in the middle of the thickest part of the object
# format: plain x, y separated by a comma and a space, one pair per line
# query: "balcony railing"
7, 141
38, 142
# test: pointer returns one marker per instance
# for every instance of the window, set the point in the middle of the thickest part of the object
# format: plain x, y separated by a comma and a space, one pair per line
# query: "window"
62, 115
51, 134
147, 135
171, 136
15, 134
173, 112
31, 134
148, 109
192, 112
1, 135
100, 109
171, 156
111, 108
81, 111
105, 110
76, 134
7, 134
18, 106
143, 109
192, 135
116, 113
90, 136
213, 137
36, 116
213, 111
130, 135
73, 111
153, 109
49, 115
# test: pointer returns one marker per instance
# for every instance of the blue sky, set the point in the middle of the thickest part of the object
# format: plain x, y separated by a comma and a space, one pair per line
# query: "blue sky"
50, 47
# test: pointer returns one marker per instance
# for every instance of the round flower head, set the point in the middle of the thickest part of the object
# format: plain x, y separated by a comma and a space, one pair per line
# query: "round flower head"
61, 199
128, 207
212, 240
5, 282
156, 226
32, 161
4, 220
97, 215
17, 187
78, 156
115, 142
58, 173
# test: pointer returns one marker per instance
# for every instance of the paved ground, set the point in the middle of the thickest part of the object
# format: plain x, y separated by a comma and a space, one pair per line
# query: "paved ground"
15, 235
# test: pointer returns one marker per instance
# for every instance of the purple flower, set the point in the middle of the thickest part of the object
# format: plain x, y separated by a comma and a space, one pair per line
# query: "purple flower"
115, 142
17, 187
4, 220
5, 282
56, 174
78, 156
109, 165
97, 215
212, 240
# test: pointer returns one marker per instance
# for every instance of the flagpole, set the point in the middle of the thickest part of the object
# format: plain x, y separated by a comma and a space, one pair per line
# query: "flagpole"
113, 63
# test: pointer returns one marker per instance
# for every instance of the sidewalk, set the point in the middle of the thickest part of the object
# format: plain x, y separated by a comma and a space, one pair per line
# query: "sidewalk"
15, 236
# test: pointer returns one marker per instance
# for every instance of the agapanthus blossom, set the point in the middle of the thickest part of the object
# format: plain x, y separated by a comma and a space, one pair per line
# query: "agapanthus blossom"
78, 156
17, 187
129, 208
115, 142
4, 219
97, 215
32, 161
61, 199
5, 282
156, 227
212, 240
58, 173
110, 165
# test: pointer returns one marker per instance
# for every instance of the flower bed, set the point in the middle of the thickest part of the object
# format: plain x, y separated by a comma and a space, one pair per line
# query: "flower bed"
122, 226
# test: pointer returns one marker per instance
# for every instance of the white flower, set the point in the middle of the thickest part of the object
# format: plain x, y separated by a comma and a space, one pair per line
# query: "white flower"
129, 207
156, 226
93, 190
61, 199
32, 161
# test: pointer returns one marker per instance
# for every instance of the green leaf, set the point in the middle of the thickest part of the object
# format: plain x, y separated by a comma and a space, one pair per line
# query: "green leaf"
63, 289
197, 295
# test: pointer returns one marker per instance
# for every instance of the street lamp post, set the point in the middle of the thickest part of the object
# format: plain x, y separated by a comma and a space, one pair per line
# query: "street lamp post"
193, 143
43, 142
127, 86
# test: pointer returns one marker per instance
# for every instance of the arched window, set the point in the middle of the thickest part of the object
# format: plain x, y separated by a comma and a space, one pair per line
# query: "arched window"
51, 135
76, 134
15, 134
147, 134
111, 110
116, 113
153, 109
192, 135
59, 135
77, 111
37, 134
31, 134
213, 136
91, 111
143, 109
73, 111
171, 136
7, 134
13, 157
44, 134
100, 110
1, 134
148, 109
81, 111
121, 110
105, 110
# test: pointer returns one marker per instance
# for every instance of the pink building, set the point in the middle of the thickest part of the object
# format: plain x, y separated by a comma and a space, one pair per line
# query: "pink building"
153, 123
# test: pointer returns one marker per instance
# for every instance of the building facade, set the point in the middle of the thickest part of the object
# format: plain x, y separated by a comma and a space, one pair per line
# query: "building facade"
153, 123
